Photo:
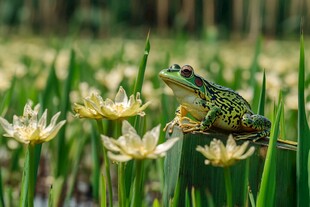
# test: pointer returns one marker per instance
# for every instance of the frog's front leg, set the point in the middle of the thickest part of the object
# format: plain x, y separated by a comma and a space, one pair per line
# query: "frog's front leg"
257, 125
179, 116
213, 113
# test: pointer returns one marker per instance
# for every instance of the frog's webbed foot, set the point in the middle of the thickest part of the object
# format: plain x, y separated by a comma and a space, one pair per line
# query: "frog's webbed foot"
188, 125
171, 124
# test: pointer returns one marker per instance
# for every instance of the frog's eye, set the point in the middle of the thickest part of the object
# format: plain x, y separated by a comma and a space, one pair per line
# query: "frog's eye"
198, 81
175, 66
186, 71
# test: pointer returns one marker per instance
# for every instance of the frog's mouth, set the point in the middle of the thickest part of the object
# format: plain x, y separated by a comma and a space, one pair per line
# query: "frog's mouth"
180, 90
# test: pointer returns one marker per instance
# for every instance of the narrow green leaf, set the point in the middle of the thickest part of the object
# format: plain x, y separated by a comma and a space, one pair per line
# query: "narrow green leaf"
6, 99
156, 203
1, 191
251, 197
262, 97
52, 85
65, 107
75, 166
303, 135
210, 199
187, 198
266, 195
57, 190
282, 121
193, 197
175, 199
308, 169
253, 70
142, 67
138, 185
246, 182
50, 197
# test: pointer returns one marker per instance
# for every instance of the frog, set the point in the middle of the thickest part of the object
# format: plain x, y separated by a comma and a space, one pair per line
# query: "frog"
211, 106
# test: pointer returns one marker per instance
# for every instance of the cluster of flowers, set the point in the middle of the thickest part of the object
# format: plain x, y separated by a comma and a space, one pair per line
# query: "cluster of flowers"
31, 130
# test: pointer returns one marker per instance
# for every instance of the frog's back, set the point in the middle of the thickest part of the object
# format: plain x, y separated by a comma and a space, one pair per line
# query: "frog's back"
226, 98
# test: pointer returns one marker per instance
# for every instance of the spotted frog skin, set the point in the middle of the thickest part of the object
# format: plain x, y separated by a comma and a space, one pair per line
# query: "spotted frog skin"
212, 105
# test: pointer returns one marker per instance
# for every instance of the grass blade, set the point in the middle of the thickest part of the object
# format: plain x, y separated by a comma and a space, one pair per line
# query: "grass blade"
140, 77
6, 99
262, 97
253, 70
65, 107
1, 191
266, 195
193, 196
303, 135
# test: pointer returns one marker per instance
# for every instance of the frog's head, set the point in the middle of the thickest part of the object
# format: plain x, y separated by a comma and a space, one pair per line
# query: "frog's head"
183, 82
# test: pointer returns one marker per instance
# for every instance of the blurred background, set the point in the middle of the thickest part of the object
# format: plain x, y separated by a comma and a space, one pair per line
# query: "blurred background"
230, 42
106, 18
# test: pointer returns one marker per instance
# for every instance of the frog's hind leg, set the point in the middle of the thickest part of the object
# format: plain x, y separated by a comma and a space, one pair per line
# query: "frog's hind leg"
254, 136
255, 127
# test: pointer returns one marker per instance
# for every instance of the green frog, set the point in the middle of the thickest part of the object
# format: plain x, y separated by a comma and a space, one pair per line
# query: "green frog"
211, 105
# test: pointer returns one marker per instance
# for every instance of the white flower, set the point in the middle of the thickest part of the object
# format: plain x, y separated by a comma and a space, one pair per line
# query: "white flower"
122, 107
131, 146
219, 155
28, 129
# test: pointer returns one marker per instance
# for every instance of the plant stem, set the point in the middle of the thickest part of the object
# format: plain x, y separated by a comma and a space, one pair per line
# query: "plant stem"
95, 143
107, 166
121, 186
121, 181
136, 201
227, 177
31, 174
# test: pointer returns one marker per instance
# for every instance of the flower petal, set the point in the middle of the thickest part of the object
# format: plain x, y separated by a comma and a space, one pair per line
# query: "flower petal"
248, 153
150, 138
121, 96
119, 157
51, 132
165, 146
127, 128
107, 142
8, 128
42, 121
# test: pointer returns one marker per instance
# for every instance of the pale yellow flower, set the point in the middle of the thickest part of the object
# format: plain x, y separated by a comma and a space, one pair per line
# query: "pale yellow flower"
131, 146
88, 110
28, 129
122, 107
219, 155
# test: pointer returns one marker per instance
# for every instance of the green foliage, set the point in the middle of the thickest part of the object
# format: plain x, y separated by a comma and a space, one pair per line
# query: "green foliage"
303, 135
77, 154
266, 195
